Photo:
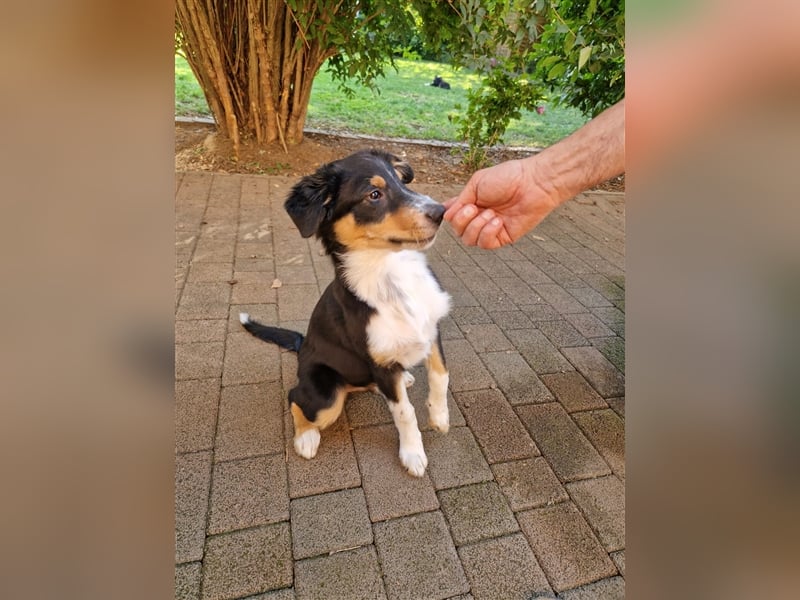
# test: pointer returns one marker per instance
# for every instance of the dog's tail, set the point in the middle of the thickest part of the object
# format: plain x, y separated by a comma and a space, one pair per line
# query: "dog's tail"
285, 338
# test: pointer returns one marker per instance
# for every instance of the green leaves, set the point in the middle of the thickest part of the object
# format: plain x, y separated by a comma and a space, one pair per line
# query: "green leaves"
584, 55
588, 39
500, 98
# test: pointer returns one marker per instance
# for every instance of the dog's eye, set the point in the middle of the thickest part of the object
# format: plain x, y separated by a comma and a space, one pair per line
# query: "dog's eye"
375, 195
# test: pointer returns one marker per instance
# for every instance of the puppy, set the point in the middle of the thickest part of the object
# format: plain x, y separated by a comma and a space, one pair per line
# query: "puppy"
440, 83
379, 317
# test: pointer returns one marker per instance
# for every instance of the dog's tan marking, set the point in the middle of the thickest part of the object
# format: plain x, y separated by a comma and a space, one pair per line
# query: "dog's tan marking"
438, 380
301, 424
325, 417
435, 361
384, 360
378, 181
405, 224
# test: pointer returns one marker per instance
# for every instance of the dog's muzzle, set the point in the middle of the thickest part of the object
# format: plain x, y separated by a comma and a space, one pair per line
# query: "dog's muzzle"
435, 212
430, 208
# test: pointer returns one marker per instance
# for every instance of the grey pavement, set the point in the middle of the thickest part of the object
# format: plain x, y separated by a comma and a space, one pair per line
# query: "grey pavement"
523, 498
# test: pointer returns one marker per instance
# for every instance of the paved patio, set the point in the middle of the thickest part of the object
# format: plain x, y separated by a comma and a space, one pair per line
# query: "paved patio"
523, 498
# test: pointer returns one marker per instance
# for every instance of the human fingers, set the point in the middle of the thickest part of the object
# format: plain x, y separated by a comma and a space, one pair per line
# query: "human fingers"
493, 235
473, 229
461, 218
451, 206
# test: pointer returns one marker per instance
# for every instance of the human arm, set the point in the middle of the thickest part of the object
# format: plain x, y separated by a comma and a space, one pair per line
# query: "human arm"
500, 204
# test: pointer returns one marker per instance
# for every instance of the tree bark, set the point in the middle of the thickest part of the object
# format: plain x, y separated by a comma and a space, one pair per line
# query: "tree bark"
256, 76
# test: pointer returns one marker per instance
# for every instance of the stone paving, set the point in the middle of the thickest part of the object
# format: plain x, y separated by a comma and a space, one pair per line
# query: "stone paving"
523, 498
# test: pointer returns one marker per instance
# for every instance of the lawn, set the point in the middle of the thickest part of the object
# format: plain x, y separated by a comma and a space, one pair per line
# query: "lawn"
404, 107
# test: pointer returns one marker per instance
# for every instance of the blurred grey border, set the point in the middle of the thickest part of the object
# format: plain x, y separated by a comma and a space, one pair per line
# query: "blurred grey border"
87, 233
713, 294
87, 276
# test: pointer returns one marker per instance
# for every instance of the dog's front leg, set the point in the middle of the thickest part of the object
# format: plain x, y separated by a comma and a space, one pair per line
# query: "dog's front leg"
412, 452
438, 380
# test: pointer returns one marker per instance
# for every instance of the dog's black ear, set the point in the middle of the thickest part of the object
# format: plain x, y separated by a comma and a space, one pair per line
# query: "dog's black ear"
308, 202
403, 169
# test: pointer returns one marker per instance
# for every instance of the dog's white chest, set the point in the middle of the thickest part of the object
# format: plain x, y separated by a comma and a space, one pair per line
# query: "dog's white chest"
408, 302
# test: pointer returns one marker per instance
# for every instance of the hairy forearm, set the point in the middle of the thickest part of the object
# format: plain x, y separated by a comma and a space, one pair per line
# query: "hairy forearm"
591, 155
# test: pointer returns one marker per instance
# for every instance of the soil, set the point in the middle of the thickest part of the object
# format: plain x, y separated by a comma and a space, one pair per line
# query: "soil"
199, 148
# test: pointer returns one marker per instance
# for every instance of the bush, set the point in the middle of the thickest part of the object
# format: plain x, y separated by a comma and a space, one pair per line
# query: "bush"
501, 97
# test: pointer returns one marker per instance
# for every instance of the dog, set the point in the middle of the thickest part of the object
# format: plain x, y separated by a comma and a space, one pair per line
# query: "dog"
440, 83
379, 317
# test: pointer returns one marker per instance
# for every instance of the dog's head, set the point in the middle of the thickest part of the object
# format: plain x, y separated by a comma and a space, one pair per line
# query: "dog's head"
436, 81
361, 202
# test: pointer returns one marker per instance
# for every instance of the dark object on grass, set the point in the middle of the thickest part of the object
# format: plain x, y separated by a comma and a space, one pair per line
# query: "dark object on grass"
440, 83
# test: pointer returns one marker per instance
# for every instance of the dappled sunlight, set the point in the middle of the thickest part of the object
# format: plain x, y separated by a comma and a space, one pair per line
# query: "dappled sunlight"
420, 110
403, 105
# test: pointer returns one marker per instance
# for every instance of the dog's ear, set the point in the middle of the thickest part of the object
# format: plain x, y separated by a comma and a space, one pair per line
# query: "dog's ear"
401, 167
308, 202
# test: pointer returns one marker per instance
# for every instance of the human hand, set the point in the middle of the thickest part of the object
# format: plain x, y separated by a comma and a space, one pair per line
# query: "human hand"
499, 205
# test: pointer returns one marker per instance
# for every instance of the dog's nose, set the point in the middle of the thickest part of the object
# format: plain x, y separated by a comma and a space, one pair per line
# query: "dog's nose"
435, 212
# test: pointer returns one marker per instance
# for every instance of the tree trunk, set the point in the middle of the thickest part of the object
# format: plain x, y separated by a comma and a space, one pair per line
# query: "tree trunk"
256, 61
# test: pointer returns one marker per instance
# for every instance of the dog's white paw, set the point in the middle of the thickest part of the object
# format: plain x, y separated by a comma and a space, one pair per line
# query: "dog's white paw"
439, 418
307, 443
414, 461
408, 379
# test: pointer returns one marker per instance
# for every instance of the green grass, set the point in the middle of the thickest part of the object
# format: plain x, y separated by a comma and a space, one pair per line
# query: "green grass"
405, 107
189, 98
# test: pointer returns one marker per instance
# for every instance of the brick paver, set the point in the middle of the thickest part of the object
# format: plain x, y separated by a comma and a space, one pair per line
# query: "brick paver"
562, 334
196, 403
250, 421
248, 492
330, 523
606, 431
199, 360
192, 485
200, 330
618, 406
247, 562
500, 433
604, 376
561, 442
503, 568
467, 372
476, 512
607, 589
573, 391
382, 475
249, 360
602, 502
515, 378
455, 459
418, 558
619, 560
535, 347
333, 468
542, 356
187, 581
353, 575
529, 483
204, 300
565, 546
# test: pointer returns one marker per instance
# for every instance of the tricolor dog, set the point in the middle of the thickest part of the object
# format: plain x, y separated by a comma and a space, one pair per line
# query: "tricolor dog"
380, 315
